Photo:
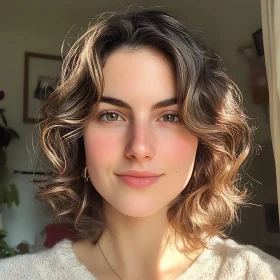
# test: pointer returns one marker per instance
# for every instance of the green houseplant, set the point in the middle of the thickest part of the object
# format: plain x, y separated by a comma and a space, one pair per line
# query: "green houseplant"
8, 194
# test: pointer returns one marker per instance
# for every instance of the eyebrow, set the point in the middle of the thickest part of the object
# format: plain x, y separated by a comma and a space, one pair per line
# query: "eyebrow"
123, 104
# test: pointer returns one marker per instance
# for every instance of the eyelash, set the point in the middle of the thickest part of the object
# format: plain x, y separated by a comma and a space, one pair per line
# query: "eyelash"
113, 112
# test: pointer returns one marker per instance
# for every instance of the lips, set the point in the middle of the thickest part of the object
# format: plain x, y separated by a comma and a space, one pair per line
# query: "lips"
138, 179
138, 173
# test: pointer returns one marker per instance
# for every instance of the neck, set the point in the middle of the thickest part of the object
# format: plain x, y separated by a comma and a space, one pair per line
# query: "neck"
142, 246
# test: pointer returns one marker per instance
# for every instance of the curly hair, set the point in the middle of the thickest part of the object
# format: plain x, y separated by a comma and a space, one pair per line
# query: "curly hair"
210, 107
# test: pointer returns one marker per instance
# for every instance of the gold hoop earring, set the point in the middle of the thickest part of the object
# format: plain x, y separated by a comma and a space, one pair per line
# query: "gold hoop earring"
85, 174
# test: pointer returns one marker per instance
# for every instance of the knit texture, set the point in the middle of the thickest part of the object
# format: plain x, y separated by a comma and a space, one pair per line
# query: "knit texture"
223, 260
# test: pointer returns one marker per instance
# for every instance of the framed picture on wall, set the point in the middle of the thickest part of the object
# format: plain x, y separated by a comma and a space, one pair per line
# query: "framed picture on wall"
41, 77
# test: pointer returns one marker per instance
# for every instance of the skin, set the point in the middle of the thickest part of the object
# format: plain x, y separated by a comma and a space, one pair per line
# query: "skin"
139, 139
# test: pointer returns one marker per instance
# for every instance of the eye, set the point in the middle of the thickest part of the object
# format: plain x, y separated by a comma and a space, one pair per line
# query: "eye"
171, 118
109, 117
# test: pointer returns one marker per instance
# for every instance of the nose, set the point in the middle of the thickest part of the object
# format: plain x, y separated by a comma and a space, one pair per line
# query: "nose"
140, 143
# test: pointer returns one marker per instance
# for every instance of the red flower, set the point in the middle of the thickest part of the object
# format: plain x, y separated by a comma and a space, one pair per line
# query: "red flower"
2, 94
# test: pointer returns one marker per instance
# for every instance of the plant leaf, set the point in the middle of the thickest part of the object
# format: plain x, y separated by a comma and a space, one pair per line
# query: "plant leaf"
2, 255
13, 133
3, 233
4, 245
9, 199
2, 159
3, 117
4, 172
5, 137
15, 195
2, 194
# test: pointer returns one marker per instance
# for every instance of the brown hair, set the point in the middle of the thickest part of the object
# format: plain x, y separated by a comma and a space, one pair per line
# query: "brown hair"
209, 106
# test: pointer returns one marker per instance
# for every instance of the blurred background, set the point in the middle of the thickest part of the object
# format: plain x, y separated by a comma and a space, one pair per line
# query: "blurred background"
41, 27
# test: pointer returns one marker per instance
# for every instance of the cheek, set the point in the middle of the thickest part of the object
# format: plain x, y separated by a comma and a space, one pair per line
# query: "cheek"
100, 148
181, 152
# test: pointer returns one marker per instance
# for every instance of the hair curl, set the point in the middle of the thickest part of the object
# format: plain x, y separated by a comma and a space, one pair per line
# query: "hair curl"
209, 106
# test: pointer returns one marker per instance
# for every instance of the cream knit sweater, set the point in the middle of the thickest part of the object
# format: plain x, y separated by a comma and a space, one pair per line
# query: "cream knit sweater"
227, 260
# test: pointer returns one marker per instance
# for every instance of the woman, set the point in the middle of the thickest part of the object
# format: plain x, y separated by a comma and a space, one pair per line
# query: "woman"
145, 137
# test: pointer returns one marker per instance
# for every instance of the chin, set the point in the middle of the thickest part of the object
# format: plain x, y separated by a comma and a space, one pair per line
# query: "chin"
137, 210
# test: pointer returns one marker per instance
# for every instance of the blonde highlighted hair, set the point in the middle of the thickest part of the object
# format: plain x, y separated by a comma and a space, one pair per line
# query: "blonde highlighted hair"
209, 106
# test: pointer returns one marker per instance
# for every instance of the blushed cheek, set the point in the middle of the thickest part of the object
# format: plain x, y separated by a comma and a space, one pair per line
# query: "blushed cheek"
181, 153
100, 148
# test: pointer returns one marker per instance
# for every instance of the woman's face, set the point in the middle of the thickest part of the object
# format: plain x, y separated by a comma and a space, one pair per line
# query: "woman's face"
133, 134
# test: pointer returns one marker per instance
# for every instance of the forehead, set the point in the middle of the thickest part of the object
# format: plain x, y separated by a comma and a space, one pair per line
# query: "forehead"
144, 73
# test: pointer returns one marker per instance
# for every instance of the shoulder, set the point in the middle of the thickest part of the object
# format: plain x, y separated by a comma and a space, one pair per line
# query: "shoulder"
248, 260
41, 265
